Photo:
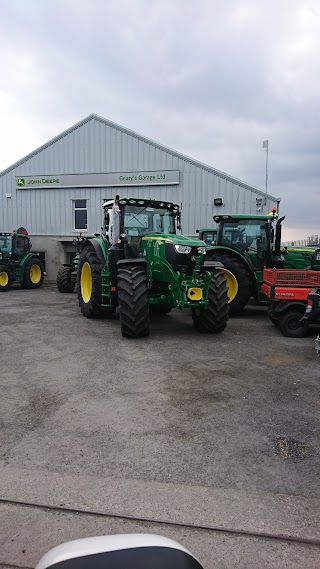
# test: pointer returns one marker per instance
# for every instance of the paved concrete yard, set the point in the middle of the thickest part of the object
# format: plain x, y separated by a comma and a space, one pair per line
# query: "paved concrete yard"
237, 412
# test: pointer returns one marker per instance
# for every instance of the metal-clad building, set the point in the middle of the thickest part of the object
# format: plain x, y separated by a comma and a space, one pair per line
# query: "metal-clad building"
57, 191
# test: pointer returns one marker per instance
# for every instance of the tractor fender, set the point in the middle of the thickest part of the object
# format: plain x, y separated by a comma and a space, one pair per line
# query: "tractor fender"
282, 307
98, 249
27, 257
217, 249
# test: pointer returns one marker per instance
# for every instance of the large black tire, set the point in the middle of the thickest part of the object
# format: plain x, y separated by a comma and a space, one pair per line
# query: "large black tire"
133, 301
290, 324
5, 278
245, 281
160, 308
64, 282
33, 273
90, 300
273, 319
214, 318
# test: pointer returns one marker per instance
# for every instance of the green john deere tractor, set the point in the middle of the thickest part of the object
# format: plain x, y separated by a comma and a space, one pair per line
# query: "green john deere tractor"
140, 264
17, 263
245, 244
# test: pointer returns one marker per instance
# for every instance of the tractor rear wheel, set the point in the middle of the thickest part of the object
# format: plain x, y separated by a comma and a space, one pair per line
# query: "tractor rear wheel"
245, 283
64, 282
291, 326
214, 318
5, 278
33, 273
90, 286
133, 301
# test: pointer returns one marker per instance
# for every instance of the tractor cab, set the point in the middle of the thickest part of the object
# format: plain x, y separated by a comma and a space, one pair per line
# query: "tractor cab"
208, 235
251, 236
13, 246
128, 220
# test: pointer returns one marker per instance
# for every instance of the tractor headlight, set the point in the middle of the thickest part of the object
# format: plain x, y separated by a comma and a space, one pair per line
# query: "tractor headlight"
185, 249
202, 250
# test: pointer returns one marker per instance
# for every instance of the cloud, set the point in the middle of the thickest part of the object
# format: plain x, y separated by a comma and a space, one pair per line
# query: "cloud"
207, 78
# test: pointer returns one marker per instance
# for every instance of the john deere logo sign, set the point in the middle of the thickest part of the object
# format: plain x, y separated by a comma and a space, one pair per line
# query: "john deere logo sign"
20, 182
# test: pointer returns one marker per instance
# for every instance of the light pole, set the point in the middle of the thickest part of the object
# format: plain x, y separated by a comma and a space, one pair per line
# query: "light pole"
265, 145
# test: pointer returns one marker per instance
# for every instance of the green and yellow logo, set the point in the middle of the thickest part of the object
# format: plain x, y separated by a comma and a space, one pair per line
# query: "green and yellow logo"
20, 182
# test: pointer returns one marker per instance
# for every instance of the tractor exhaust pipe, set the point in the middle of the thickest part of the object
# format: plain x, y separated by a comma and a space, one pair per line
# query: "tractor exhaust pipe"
277, 244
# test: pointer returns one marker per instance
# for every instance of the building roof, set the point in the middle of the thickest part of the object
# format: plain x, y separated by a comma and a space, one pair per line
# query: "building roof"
142, 139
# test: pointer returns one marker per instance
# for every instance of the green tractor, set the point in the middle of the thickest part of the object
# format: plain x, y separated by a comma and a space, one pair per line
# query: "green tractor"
142, 265
245, 244
17, 263
67, 273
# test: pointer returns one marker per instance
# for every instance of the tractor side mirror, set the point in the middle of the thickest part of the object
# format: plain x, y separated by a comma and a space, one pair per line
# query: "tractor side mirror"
130, 551
107, 219
197, 230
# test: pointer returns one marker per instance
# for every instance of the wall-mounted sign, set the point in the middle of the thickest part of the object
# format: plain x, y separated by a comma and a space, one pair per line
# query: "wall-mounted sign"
155, 178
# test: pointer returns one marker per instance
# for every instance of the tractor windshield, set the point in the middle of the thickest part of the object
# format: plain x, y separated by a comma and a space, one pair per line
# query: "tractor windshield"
245, 234
142, 220
209, 237
5, 243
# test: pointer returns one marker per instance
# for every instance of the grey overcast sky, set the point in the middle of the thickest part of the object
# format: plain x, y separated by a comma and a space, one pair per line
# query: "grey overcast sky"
208, 78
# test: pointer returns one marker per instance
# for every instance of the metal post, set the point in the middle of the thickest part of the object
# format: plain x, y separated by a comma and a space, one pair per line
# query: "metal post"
265, 145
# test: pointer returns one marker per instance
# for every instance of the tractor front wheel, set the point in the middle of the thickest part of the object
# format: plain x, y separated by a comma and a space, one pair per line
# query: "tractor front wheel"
291, 326
33, 273
64, 282
133, 301
89, 283
245, 283
214, 318
5, 278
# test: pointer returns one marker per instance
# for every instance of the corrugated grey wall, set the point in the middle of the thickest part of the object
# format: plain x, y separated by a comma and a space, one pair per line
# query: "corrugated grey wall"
96, 145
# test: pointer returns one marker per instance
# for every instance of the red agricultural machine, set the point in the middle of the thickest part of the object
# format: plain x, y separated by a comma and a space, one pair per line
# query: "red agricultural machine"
288, 292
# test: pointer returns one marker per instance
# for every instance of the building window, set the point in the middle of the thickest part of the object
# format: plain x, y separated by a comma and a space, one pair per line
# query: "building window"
80, 214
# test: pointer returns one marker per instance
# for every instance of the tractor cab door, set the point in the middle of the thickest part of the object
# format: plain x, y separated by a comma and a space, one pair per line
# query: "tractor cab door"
248, 236
136, 223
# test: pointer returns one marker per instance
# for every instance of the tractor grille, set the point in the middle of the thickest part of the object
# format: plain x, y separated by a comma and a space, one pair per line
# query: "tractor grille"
180, 262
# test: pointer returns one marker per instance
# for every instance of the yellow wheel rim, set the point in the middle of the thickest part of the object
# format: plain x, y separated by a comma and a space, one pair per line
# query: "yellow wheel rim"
86, 282
35, 274
232, 284
4, 279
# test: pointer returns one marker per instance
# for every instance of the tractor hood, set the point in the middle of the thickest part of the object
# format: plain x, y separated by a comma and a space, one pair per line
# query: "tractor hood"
175, 239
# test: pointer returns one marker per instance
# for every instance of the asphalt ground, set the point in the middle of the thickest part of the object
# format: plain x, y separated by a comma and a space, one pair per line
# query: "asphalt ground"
218, 431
